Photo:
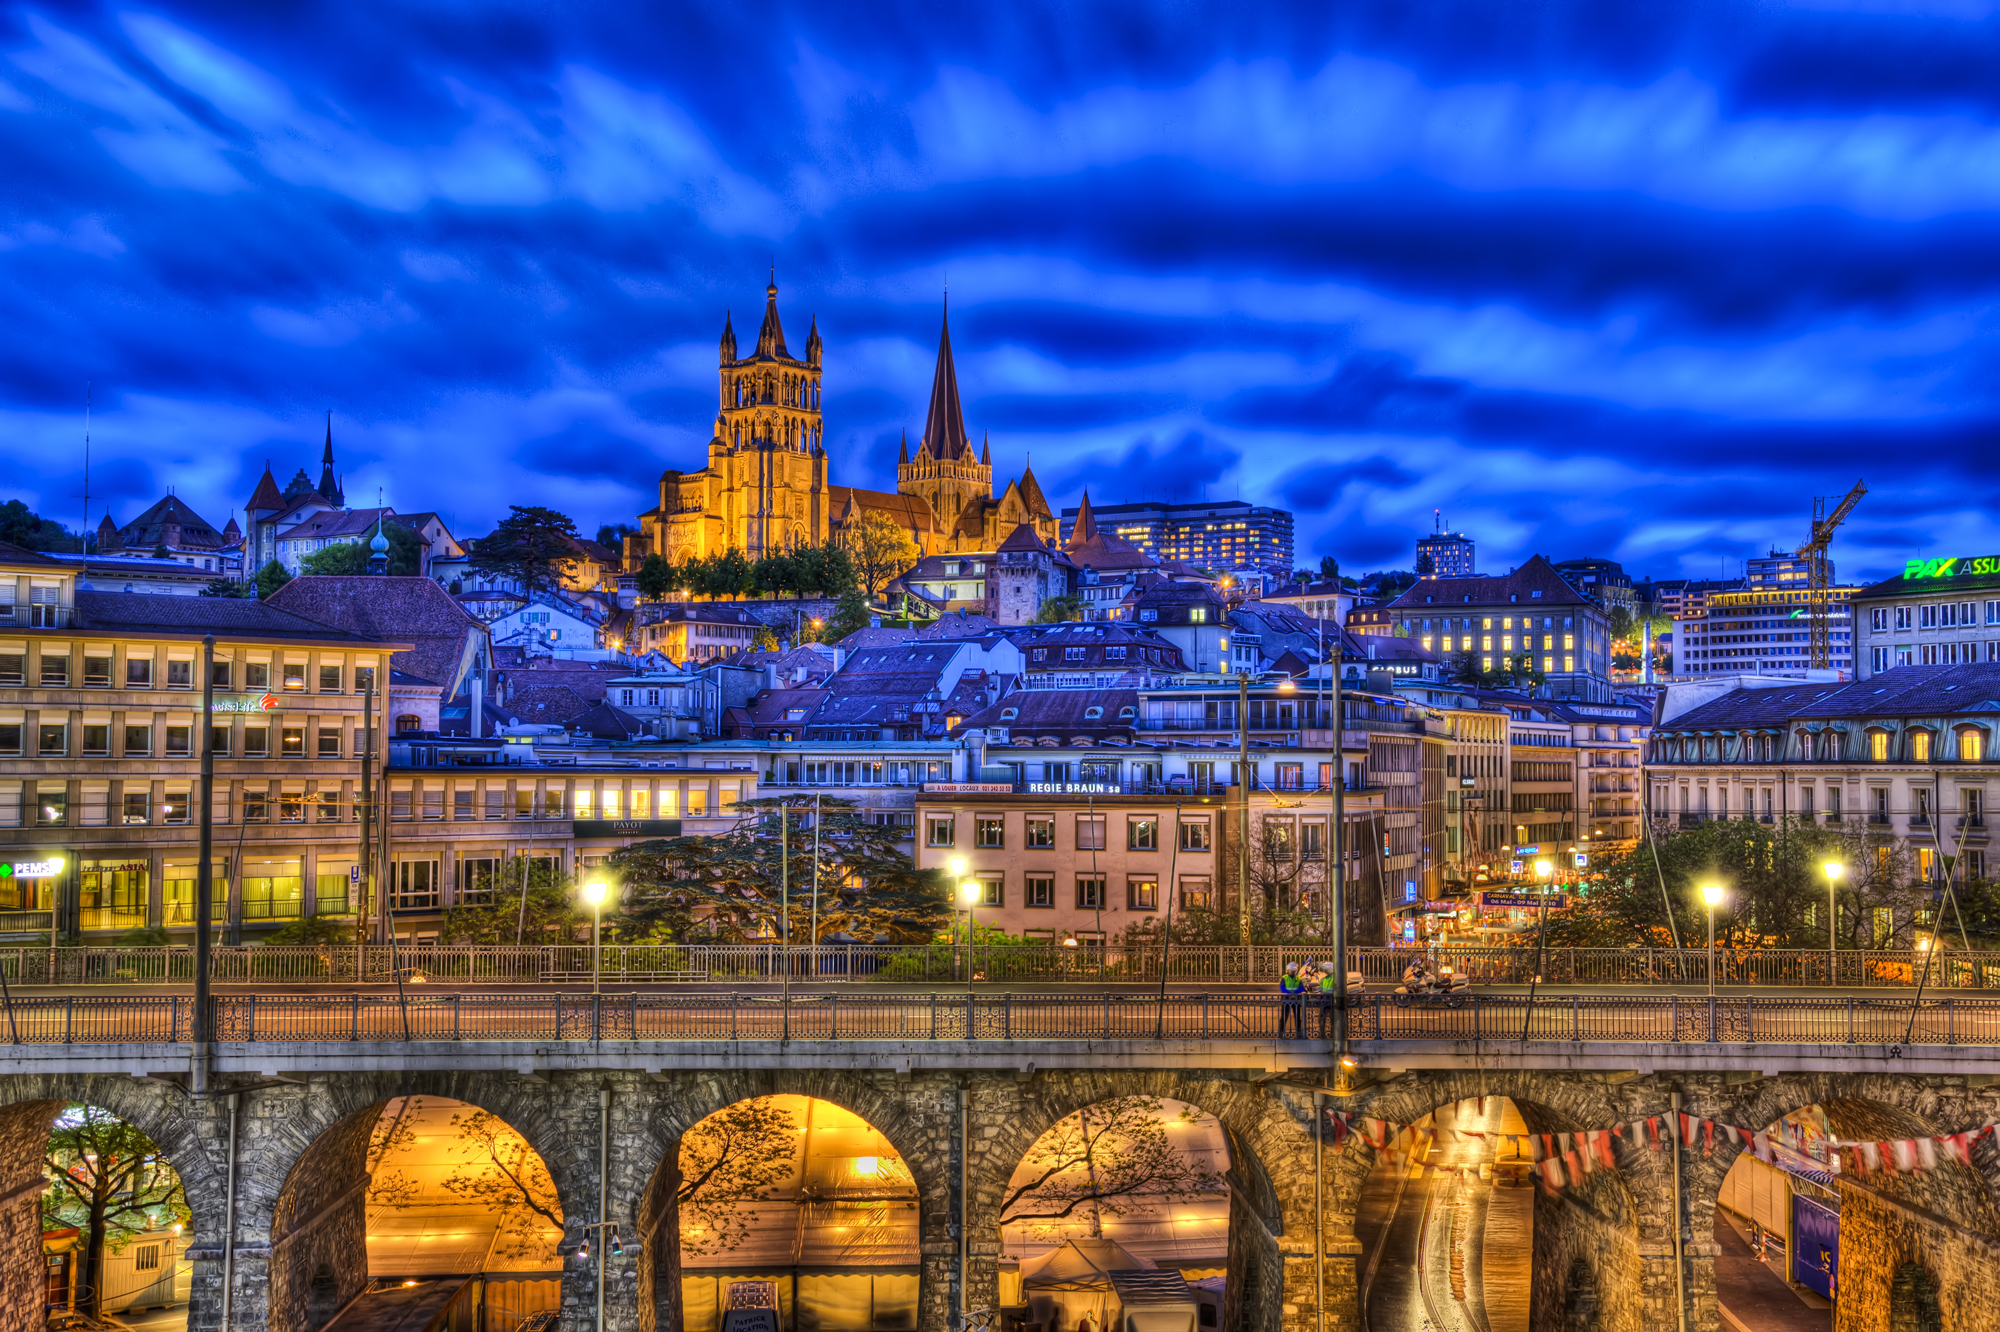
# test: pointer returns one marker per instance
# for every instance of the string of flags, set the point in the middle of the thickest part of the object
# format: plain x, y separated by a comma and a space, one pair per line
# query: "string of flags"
1560, 1159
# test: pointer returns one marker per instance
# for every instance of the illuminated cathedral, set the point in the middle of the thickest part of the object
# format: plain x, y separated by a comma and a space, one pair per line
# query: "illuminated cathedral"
767, 488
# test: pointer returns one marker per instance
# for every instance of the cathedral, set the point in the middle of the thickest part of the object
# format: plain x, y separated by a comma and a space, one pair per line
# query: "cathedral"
766, 487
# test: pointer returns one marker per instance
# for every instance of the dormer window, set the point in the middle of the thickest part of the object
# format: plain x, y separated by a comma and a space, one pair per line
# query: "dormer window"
1128, 714
1092, 713
1009, 714
1920, 746
1198, 615
1971, 744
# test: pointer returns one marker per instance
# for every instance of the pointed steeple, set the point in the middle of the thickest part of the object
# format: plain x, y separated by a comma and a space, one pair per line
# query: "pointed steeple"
1031, 494
265, 496
329, 484
944, 427
771, 337
812, 342
1086, 523
728, 338
903, 454
985, 450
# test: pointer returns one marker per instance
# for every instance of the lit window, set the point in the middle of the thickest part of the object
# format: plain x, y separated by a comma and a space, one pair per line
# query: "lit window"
1569, 663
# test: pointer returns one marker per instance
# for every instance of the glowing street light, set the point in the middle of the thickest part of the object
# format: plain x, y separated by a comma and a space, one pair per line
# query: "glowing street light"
1711, 895
1834, 869
594, 893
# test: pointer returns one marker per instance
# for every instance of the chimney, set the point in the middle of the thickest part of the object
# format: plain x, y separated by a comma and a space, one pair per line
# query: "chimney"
473, 716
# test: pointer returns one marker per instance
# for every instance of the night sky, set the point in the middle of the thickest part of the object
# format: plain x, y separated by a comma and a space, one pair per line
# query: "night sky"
1623, 280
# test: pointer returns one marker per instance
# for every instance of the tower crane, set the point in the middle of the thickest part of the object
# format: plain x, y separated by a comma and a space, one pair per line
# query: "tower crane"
1818, 578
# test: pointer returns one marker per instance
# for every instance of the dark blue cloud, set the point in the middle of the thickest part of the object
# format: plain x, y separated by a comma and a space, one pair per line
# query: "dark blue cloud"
1592, 279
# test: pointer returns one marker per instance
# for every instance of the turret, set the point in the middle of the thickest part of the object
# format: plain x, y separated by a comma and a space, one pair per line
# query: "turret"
728, 340
812, 344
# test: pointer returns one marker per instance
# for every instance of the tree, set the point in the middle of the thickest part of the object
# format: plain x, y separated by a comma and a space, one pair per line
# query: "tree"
1057, 610
549, 914
881, 550
851, 614
314, 931
270, 578
1623, 624
746, 884
1329, 568
23, 527
350, 558
110, 1181
825, 571
736, 1155
765, 641
225, 587
1110, 1158
492, 1167
614, 534
534, 546
1426, 566
657, 577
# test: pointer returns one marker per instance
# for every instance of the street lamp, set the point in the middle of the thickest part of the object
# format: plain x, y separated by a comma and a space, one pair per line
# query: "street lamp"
957, 867
1711, 894
969, 892
1833, 870
594, 893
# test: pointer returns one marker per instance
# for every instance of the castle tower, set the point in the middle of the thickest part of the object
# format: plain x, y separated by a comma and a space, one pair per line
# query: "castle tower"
946, 472
768, 455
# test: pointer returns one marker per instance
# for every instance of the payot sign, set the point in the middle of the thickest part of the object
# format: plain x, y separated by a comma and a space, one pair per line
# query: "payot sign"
244, 703
1960, 566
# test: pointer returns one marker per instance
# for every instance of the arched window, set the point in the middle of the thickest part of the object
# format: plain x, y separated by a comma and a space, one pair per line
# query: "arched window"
1805, 744
408, 722
1920, 746
1971, 744
1878, 745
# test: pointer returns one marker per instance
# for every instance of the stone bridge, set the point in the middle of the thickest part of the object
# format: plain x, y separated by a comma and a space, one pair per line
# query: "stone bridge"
283, 1131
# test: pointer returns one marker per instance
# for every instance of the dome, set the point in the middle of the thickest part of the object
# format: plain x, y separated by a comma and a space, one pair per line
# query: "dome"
379, 543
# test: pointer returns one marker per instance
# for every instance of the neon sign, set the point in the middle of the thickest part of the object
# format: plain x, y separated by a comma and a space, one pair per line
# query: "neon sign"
31, 869
1962, 566
245, 703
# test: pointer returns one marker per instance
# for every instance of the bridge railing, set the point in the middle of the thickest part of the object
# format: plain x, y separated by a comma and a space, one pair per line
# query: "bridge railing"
933, 1015
996, 964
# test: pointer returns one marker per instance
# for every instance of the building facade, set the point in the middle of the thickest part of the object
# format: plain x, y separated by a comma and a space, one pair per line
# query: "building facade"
1449, 554
1763, 629
1227, 534
1943, 612
1531, 613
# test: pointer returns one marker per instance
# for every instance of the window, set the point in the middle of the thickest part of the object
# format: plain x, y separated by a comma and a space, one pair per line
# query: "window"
989, 832
1090, 892
256, 676
329, 742
138, 740
940, 830
409, 723
55, 670
1312, 840
295, 677
1971, 745
256, 741
10, 737
1041, 832
1142, 893
1920, 746
1878, 746
1142, 833
413, 885
292, 742
218, 674
96, 672
180, 741
1289, 776
1196, 895
476, 877
180, 675
96, 741
1973, 801
257, 804
992, 890
146, 1258
138, 672
364, 679
1039, 891
329, 679
1090, 832
1902, 617
138, 807
326, 805
13, 668
52, 805
1881, 814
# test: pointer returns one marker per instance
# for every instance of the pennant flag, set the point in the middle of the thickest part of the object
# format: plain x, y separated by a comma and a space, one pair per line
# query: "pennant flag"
1569, 1159
1708, 1137
1552, 1173
1866, 1156
1687, 1127
1905, 1155
1760, 1144
1735, 1135
1653, 1132
1604, 1152
1885, 1156
1926, 1154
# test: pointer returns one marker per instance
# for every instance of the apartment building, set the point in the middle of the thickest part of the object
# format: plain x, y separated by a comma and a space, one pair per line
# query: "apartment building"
100, 747
1765, 629
1531, 613
1943, 612
1906, 754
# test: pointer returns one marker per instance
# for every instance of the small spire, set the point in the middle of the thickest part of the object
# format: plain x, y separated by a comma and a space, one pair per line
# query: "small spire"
728, 338
903, 454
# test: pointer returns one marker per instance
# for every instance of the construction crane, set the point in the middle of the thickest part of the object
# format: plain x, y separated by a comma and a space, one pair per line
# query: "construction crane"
1818, 577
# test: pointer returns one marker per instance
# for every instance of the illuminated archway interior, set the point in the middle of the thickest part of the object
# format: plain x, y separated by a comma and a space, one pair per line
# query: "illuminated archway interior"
142, 1261
801, 1203
1129, 1185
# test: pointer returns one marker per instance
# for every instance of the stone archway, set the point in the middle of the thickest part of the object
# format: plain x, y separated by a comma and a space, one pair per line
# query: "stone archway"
28, 1106
1597, 1241
307, 1188
1270, 1178
912, 1115
1910, 1241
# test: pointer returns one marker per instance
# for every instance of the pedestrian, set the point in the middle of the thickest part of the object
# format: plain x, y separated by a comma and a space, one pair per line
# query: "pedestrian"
1291, 1001
1327, 987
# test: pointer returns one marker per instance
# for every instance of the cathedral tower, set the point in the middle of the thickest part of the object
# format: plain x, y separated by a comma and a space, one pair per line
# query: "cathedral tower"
946, 472
768, 451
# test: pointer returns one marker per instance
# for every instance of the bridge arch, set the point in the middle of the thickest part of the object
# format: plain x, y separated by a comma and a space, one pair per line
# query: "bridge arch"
1268, 1134
28, 1108
911, 1119
1596, 1241
1914, 1246
305, 1182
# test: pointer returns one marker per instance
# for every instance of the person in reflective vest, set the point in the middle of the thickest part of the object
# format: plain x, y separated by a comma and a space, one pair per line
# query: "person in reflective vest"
1327, 986
1292, 1001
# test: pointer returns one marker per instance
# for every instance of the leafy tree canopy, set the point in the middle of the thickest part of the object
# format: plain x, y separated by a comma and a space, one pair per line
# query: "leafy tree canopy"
349, 558
534, 546
24, 527
111, 1182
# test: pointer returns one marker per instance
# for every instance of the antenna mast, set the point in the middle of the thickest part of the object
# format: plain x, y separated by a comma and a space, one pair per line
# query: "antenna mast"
83, 537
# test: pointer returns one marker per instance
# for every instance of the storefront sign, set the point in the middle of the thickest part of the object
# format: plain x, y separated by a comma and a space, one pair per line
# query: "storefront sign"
31, 869
1071, 788
1556, 902
1582, 860
244, 703
626, 828
1960, 566
968, 788
1440, 908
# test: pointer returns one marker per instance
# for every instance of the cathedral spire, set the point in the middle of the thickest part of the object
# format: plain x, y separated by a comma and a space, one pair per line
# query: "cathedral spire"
329, 484
944, 428
903, 454
986, 450
771, 337
728, 338
812, 342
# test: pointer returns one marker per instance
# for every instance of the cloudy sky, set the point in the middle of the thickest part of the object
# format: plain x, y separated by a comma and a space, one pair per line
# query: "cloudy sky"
1635, 281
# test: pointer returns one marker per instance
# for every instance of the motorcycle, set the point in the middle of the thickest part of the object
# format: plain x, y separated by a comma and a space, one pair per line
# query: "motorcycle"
1443, 990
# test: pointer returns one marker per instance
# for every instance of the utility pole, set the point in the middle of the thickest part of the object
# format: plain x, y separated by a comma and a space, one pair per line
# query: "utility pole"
1336, 878
1243, 811
204, 903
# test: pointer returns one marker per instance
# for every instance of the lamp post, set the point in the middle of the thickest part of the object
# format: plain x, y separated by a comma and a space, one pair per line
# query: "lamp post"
957, 866
1833, 870
969, 893
594, 893
1711, 896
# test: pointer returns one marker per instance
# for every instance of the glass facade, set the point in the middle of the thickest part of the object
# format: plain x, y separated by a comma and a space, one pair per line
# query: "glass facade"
112, 894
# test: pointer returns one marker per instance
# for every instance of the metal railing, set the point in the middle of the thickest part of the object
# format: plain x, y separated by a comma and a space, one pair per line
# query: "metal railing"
90, 1019
995, 963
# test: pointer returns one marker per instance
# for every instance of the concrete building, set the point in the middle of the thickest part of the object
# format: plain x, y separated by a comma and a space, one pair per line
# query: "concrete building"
1940, 612
1763, 629
1449, 555
1530, 613
100, 747
1603, 581
1227, 534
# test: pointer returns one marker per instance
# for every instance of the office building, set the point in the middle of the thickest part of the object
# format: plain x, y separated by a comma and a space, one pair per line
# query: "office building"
1227, 535
1763, 629
1445, 555
1943, 612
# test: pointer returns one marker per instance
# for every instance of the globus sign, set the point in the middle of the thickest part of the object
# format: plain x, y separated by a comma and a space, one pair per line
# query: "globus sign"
245, 703
1960, 566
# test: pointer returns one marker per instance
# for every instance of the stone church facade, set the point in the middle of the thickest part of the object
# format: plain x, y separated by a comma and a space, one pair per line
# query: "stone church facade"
767, 486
